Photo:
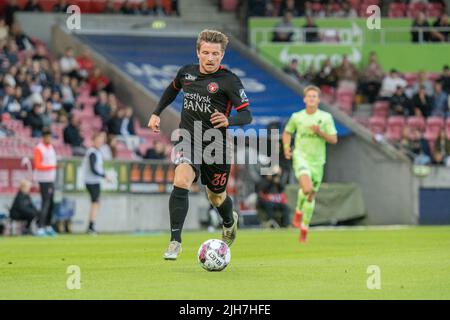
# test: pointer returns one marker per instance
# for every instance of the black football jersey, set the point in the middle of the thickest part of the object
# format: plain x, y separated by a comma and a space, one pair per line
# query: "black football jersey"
203, 93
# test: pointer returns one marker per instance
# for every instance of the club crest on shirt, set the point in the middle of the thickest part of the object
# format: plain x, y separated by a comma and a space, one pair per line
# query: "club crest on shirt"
213, 87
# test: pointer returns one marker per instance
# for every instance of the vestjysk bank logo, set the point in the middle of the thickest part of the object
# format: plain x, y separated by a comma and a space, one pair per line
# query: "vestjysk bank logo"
213, 87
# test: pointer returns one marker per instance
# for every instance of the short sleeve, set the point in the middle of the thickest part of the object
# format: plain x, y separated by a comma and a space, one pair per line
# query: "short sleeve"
236, 94
290, 125
330, 128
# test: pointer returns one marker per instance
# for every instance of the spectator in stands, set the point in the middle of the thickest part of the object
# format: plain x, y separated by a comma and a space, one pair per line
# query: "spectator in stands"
257, 8
159, 10
22, 40
441, 35
284, 30
175, 8
98, 81
423, 81
33, 5
309, 76
4, 30
68, 97
12, 51
102, 108
422, 103
110, 8
109, 149
390, 83
61, 6
23, 207
115, 122
346, 73
10, 103
311, 30
85, 62
45, 165
347, 11
417, 147
444, 79
143, 9
289, 6
73, 138
420, 27
47, 115
400, 105
440, 101
155, 153
40, 53
327, 75
441, 152
127, 124
371, 77
68, 64
10, 9
271, 198
292, 70
56, 102
128, 8
34, 120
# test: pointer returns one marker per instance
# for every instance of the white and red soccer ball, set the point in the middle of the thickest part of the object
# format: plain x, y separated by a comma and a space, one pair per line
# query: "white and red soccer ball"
214, 255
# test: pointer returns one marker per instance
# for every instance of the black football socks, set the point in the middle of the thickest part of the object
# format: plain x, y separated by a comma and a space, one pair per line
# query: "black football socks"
178, 208
226, 212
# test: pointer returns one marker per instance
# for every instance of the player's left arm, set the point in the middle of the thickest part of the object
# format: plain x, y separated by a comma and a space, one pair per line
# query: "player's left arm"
239, 100
329, 132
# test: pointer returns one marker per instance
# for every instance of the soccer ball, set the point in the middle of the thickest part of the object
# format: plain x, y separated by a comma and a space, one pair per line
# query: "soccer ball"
214, 255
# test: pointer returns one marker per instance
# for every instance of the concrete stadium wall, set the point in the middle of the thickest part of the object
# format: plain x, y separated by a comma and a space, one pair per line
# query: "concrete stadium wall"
129, 213
387, 185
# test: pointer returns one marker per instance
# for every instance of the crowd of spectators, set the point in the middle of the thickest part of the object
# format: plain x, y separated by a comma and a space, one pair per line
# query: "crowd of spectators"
41, 91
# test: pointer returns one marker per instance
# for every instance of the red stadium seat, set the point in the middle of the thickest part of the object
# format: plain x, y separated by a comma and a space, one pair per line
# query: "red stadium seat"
396, 10
381, 109
395, 126
229, 5
414, 8
377, 125
447, 128
415, 122
47, 5
434, 10
433, 126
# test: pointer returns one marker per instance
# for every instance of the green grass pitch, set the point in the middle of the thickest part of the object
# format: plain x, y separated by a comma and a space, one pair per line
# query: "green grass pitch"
414, 264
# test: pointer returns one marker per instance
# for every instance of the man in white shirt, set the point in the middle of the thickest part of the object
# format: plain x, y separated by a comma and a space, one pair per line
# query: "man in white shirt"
391, 82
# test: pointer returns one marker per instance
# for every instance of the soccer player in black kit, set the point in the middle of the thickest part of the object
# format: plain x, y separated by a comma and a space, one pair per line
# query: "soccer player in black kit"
210, 91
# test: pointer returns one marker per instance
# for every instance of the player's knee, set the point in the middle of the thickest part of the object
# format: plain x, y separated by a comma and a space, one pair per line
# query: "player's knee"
216, 200
307, 190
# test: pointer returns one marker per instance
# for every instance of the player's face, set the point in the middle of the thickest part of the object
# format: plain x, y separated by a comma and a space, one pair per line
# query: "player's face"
311, 99
210, 56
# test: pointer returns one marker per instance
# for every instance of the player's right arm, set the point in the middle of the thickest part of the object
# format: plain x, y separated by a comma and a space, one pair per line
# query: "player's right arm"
289, 130
166, 99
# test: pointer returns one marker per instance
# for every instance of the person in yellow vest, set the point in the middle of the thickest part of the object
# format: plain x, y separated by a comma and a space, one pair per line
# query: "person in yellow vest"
45, 165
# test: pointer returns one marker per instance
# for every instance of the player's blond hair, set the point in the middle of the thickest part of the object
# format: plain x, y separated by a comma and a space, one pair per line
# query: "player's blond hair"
212, 36
311, 88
